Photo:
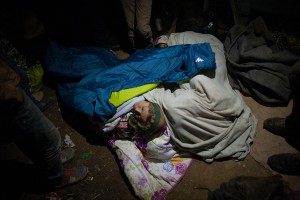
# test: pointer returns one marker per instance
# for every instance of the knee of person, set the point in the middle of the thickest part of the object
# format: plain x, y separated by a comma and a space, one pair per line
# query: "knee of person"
145, 30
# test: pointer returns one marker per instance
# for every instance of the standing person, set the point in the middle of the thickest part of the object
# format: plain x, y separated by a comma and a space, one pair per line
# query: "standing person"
288, 163
138, 16
23, 123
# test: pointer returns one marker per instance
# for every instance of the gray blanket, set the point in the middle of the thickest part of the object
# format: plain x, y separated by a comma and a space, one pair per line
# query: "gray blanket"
205, 115
256, 66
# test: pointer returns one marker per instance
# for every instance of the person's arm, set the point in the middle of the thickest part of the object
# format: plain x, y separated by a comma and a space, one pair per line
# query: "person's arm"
10, 94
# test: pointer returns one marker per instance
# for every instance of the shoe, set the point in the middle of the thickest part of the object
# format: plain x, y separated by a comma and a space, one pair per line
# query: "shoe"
276, 126
286, 163
73, 175
66, 155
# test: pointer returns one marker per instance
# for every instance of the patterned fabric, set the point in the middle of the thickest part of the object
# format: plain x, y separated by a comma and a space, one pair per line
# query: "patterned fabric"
152, 167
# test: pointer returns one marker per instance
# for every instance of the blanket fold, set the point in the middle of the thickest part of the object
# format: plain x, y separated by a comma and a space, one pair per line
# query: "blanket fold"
256, 66
205, 115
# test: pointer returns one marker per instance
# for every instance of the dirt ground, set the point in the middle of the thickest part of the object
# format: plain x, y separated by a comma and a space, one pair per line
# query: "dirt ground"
106, 180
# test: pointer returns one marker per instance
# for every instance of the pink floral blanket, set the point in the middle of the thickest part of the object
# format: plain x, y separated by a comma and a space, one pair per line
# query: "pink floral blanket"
152, 167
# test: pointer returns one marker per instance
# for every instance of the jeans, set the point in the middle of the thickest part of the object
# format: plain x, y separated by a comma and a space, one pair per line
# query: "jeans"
37, 137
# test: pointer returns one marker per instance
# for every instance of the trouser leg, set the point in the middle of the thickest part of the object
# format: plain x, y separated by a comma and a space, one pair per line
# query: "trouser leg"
143, 16
39, 139
129, 12
292, 121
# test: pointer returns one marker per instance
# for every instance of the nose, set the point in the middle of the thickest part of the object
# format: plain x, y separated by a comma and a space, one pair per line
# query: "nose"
137, 109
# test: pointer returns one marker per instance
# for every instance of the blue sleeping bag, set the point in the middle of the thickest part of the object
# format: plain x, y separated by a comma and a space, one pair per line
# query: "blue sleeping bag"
99, 72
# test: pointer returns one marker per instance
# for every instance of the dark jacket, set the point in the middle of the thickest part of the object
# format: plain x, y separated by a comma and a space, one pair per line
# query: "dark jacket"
10, 94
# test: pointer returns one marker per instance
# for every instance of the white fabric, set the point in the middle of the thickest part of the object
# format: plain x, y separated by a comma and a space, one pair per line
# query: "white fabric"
205, 115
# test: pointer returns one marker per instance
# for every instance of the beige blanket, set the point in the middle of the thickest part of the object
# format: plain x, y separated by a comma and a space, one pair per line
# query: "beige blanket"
205, 115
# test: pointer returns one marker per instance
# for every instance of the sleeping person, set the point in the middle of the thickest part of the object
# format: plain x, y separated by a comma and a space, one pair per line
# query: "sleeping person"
159, 106
203, 113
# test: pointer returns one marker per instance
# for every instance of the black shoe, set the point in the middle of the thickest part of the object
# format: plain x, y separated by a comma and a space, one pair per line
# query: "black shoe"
286, 163
276, 126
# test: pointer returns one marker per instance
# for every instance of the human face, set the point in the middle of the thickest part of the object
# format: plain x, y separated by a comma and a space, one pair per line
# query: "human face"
142, 110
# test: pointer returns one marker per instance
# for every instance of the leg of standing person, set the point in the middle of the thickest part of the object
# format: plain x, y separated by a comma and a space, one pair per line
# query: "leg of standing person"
292, 121
143, 16
288, 163
38, 138
129, 8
